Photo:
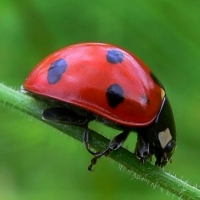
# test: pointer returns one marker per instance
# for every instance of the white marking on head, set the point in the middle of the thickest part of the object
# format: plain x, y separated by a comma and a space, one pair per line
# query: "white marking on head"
164, 137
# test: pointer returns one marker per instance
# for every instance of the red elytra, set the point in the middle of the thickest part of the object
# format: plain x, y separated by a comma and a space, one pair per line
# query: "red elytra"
81, 75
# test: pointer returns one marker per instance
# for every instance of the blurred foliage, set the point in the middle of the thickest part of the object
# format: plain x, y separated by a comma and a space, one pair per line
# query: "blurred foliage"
37, 162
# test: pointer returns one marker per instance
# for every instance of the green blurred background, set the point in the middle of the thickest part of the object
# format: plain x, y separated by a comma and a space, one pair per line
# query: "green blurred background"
38, 162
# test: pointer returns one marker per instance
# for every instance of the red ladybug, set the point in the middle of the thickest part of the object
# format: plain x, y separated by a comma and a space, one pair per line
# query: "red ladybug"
102, 82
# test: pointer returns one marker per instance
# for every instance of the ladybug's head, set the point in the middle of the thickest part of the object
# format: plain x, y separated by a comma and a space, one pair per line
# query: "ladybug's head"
165, 131
159, 138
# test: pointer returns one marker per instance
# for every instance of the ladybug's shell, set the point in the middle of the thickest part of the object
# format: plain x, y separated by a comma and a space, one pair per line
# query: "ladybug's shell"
100, 78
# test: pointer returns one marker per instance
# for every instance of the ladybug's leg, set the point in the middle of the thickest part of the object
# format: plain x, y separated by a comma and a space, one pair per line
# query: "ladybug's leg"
142, 149
67, 116
86, 141
115, 144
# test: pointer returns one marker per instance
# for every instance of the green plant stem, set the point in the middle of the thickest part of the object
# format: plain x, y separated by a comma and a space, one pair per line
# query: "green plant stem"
147, 172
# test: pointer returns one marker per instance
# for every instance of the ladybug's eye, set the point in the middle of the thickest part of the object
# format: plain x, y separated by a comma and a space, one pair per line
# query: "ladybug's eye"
170, 147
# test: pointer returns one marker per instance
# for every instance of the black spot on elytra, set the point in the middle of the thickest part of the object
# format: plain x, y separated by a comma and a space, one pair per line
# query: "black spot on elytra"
115, 95
114, 56
145, 100
156, 80
56, 70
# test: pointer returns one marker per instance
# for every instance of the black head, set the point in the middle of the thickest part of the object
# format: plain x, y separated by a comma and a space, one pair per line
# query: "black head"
164, 141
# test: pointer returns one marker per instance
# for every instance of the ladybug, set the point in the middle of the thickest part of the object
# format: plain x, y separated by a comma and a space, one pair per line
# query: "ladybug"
105, 83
